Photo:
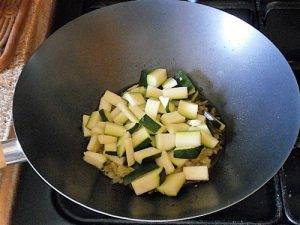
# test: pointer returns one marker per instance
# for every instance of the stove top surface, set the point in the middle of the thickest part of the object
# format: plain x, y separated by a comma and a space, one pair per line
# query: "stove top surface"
277, 202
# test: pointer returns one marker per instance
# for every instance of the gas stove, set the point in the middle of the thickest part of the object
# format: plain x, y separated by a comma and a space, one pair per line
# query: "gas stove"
277, 202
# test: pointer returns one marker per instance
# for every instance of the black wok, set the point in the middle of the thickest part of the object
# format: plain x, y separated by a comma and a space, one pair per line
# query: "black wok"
239, 70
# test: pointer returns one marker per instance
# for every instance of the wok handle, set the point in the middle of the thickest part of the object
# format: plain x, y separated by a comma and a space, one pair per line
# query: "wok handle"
10, 153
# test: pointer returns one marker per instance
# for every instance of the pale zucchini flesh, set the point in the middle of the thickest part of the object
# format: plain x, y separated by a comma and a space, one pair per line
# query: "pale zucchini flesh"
93, 144
147, 182
113, 98
86, 131
139, 156
106, 139
165, 141
172, 184
134, 98
120, 119
104, 105
152, 107
196, 173
129, 152
114, 130
188, 139
169, 83
188, 109
95, 159
157, 77
94, 119
176, 93
172, 117
153, 92
167, 163
173, 128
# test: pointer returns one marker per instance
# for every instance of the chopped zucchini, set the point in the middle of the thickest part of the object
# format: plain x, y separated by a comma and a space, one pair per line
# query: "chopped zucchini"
93, 145
112, 98
147, 182
139, 171
116, 159
150, 124
173, 128
157, 77
177, 161
137, 111
106, 139
201, 118
121, 145
187, 152
162, 129
194, 123
169, 83
134, 98
146, 154
172, 184
208, 140
94, 119
104, 105
114, 130
188, 109
165, 141
159, 162
98, 128
111, 147
143, 77
152, 107
120, 119
129, 152
164, 101
141, 139
125, 110
141, 90
86, 131
161, 109
105, 115
196, 173
214, 121
153, 92
171, 106
132, 127
172, 117
112, 153
114, 112
95, 159
158, 116
176, 93
183, 80
167, 163
153, 141
187, 139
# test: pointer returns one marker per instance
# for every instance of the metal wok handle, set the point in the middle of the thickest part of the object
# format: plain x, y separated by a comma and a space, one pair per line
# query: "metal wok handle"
11, 152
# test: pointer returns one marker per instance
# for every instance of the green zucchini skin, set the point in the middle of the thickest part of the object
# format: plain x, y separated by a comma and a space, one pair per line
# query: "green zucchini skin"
139, 171
114, 153
188, 153
143, 77
134, 128
149, 123
144, 144
102, 115
183, 80
151, 158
